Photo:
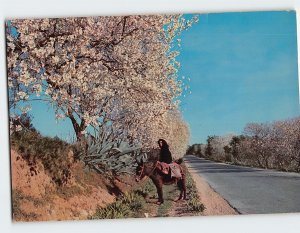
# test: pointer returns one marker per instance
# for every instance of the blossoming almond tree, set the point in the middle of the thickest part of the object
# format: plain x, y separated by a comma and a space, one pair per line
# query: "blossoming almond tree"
119, 72
275, 145
176, 131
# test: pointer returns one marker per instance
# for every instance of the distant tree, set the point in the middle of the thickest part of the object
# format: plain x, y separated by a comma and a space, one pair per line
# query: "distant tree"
198, 150
227, 150
195, 149
261, 140
273, 145
189, 150
234, 144
209, 149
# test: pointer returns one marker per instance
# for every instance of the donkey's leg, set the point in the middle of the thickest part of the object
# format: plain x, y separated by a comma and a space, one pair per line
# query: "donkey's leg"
158, 185
180, 186
184, 187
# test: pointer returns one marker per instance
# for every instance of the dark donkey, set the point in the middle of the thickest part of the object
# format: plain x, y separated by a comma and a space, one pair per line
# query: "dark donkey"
159, 179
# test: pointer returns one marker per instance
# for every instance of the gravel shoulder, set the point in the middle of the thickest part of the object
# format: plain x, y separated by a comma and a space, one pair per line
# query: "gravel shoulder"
213, 202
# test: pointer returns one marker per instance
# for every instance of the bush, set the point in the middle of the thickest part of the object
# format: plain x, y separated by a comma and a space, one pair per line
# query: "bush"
193, 203
112, 211
196, 150
134, 200
126, 206
146, 189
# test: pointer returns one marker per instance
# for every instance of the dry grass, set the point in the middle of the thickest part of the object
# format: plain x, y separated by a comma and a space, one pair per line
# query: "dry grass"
55, 154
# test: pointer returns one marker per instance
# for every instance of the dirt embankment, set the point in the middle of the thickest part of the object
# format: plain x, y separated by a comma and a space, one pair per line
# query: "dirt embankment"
37, 198
213, 202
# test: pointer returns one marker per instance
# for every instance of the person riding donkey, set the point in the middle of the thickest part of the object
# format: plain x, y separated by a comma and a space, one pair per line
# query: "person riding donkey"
163, 171
166, 165
165, 155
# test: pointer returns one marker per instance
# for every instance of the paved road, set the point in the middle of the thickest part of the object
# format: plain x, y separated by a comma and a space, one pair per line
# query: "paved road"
251, 190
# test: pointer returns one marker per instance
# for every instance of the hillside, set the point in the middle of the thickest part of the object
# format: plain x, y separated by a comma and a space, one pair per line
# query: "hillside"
37, 198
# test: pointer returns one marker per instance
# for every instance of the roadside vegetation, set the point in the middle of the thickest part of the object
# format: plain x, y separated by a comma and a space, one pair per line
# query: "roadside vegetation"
55, 154
46, 171
141, 202
194, 204
128, 205
70, 179
273, 145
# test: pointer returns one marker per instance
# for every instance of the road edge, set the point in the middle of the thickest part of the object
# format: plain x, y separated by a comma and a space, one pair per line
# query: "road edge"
214, 203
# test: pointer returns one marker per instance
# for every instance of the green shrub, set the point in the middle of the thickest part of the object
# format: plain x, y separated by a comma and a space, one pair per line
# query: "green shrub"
112, 211
128, 205
146, 189
134, 200
193, 203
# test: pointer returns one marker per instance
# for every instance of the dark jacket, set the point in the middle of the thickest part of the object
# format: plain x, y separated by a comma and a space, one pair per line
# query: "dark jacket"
165, 154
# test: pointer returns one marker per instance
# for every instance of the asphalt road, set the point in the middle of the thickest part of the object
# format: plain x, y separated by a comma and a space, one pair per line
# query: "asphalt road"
251, 190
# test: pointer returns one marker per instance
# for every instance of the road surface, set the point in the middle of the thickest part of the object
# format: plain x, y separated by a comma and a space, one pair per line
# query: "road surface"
250, 190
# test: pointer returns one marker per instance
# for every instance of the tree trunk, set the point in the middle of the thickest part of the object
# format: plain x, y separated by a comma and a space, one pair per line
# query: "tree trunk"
77, 128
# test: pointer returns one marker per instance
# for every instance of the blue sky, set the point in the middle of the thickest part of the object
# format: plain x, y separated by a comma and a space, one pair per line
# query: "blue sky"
242, 66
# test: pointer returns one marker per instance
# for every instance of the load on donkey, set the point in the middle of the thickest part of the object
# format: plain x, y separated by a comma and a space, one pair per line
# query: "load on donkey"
163, 172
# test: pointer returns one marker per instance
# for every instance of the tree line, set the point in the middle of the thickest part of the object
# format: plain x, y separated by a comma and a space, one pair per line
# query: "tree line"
273, 145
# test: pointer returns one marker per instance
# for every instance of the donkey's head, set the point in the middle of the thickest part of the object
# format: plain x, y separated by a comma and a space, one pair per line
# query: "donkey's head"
140, 172
140, 169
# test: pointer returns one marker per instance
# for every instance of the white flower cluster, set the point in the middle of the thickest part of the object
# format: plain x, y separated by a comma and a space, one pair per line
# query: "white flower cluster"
103, 69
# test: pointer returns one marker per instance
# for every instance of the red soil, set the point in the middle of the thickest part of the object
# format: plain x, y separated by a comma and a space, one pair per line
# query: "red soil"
37, 198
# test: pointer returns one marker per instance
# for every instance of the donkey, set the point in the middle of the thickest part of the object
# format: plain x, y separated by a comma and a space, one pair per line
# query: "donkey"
150, 169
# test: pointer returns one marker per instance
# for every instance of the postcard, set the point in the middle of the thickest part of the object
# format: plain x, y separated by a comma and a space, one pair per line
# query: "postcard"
143, 116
